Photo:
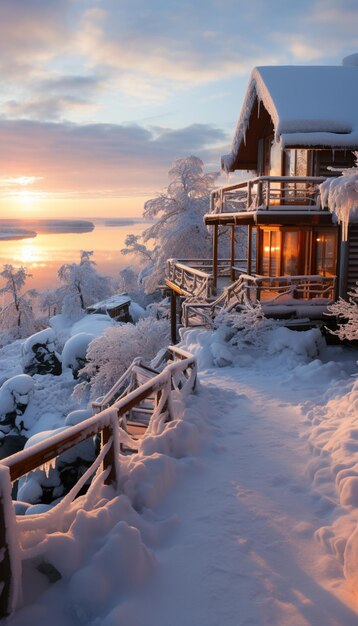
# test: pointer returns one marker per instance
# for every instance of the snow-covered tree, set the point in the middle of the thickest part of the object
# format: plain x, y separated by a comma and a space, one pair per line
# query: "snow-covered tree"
128, 282
82, 284
111, 353
50, 301
178, 230
347, 313
16, 318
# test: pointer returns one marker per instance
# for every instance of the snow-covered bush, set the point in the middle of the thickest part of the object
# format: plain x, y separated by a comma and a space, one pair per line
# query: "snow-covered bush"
74, 352
15, 395
110, 354
248, 327
347, 312
39, 355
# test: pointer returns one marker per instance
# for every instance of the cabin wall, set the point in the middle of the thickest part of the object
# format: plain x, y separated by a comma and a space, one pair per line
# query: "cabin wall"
325, 159
352, 257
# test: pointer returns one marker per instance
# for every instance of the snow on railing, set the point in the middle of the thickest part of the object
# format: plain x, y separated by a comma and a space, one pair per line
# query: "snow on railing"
195, 276
269, 192
267, 289
190, 280
179, 375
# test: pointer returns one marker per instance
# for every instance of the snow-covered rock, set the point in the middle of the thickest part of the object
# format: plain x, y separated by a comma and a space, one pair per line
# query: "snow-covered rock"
15, 395
39, 355
74, 352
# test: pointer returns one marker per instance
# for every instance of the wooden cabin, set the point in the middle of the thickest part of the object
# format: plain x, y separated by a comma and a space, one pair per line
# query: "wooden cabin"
298, 126
116, 307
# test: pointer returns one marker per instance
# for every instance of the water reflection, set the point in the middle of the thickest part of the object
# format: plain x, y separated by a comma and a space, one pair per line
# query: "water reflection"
44, 254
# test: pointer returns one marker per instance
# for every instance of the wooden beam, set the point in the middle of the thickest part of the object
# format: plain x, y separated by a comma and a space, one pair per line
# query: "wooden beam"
215, 256
173, 317
249, 248
232, 260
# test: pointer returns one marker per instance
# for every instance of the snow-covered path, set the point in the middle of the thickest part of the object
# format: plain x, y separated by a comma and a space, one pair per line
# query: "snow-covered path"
244, 552
225, 507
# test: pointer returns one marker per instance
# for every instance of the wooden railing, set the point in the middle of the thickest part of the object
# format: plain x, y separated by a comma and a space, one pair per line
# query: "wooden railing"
269, 290
269, 192
179, 375
194, 277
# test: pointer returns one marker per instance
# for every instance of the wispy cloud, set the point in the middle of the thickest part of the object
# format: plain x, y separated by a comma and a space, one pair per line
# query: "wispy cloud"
98, 159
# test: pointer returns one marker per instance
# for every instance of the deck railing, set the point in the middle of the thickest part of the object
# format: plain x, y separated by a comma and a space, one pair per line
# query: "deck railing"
194, 277
269, 192
179, 375
269, 290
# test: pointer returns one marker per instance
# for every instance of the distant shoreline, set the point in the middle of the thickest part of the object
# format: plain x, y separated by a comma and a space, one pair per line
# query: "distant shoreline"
8, 235
12, 229
17, 229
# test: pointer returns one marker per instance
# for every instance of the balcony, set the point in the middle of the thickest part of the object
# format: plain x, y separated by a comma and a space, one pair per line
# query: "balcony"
269, 193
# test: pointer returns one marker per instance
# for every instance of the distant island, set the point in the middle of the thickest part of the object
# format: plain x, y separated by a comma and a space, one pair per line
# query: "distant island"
16, 233
23, 229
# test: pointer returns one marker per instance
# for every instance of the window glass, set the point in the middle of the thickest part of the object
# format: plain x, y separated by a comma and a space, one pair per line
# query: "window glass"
266, 253
326, 253
290, 259
275, 253
271, 253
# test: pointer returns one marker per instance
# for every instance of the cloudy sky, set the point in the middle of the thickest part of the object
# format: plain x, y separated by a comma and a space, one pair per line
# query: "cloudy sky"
99, 97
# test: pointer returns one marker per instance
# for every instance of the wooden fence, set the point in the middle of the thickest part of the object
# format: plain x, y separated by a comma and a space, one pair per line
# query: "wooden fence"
180, 375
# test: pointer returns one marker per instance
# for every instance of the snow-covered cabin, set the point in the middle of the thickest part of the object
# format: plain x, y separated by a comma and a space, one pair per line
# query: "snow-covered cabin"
298, 125
116, 306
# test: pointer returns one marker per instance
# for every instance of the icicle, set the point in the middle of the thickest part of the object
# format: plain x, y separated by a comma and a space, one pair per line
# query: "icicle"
48, 466
333, 154
258, 107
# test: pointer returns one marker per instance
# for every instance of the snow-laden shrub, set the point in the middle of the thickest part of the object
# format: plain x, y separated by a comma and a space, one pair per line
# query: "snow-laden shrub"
39, 354
248, 327
74, 352
110, 354
347, 312
15, 395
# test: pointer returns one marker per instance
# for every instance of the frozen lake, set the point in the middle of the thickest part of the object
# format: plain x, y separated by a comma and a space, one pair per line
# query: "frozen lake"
44, 254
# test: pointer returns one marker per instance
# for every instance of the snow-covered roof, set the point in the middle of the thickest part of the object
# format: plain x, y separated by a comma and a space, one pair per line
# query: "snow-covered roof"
110, 303
309, 106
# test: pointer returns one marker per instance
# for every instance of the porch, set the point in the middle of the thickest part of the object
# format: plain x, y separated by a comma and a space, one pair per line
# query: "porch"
280, 296
291, 253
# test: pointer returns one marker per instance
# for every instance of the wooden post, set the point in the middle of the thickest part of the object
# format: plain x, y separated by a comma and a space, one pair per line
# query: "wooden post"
232, 262
10, 563
249, 248
109, 460
215, 256
173, 317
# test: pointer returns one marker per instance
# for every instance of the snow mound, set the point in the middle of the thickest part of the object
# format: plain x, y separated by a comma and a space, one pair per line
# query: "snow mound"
74, 351
15, 391
94, 324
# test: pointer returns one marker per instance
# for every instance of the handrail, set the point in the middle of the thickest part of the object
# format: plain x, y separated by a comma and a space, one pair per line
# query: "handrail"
107, 422
239, 292
260, 192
